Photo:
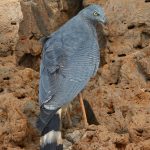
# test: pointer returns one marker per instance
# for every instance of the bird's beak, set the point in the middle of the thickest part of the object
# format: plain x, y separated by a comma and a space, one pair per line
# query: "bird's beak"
104, 21
105, 27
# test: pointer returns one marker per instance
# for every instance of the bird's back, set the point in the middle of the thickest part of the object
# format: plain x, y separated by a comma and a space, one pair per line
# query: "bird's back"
75, 50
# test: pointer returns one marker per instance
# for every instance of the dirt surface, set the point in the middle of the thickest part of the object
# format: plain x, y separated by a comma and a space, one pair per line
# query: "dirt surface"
119, 94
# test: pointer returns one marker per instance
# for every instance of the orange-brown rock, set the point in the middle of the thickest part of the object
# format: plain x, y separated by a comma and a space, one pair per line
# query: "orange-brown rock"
121, 88
10, 18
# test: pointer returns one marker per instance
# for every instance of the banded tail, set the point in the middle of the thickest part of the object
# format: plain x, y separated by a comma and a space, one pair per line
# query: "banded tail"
50, 125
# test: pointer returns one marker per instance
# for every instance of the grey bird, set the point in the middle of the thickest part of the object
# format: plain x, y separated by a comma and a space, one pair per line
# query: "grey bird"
70, 58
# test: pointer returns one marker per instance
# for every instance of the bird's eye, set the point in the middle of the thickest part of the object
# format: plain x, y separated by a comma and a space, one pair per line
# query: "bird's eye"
96, 13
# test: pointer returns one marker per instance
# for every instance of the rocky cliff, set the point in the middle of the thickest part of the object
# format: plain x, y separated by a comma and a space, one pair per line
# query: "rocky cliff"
119, 94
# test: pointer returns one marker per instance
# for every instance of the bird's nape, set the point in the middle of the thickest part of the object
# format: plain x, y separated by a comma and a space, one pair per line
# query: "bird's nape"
94, 13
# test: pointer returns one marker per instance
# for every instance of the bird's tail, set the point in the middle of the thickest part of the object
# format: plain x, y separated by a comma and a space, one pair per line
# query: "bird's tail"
51, 135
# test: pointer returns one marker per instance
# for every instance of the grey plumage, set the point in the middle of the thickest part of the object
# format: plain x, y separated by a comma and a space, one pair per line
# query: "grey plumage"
70, 58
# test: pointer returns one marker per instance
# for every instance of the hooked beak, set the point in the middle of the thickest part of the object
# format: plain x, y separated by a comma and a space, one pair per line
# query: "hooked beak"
104, 21
105, 27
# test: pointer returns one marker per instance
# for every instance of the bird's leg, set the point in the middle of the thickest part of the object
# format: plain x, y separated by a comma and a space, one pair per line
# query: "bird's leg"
69, 117
83, 110
66, 110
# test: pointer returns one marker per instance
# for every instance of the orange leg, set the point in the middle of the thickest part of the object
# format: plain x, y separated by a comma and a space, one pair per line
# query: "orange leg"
83, 110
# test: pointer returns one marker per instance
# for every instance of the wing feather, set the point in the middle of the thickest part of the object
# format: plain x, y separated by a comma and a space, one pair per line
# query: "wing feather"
66, 58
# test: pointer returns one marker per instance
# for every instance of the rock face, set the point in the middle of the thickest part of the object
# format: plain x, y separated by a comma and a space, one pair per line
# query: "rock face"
119, 94
40, 19
10, 18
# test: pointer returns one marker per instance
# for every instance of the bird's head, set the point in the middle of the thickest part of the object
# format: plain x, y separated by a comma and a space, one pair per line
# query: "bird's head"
94, 13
